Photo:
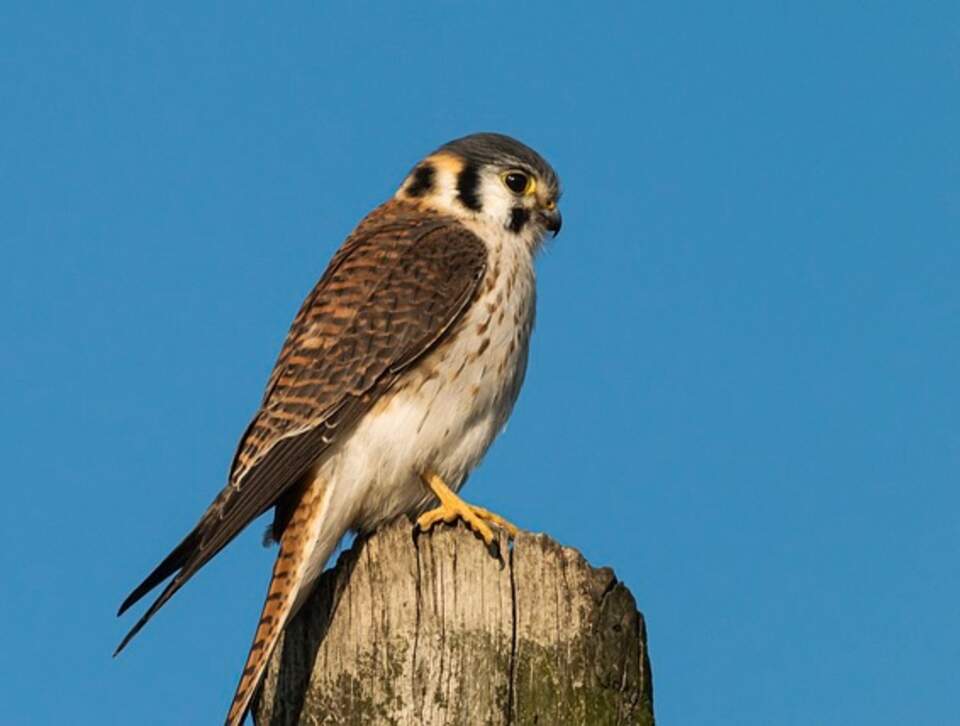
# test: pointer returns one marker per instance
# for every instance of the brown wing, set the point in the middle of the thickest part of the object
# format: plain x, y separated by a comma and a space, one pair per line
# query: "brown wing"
391, 292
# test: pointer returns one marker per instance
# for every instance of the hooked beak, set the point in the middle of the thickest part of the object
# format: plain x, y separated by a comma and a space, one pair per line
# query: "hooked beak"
552, 220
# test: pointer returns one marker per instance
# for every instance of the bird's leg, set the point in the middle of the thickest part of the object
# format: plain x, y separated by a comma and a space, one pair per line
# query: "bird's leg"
453, 508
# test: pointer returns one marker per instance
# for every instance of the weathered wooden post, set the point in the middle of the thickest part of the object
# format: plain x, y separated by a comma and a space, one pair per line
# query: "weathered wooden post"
435, 631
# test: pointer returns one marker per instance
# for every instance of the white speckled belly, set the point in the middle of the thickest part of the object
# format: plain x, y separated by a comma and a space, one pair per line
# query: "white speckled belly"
445, 415
441, 417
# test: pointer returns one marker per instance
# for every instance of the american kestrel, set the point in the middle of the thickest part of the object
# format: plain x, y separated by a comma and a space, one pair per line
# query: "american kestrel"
400, 368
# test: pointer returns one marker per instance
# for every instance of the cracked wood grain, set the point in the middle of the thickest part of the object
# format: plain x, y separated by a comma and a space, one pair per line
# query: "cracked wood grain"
434, 631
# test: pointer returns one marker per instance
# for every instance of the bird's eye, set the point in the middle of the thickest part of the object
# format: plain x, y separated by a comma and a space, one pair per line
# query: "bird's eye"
518, 182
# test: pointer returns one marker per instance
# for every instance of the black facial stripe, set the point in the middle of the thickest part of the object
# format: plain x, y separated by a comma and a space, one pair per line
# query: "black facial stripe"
518, 218
467, 184
422, 181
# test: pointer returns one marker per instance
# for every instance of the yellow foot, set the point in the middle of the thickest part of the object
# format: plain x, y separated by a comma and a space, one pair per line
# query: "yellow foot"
453, 508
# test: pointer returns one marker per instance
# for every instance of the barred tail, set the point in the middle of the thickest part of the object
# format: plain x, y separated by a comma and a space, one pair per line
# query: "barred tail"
299, 539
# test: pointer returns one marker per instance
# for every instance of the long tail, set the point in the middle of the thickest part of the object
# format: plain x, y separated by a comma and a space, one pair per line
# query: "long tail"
300, 539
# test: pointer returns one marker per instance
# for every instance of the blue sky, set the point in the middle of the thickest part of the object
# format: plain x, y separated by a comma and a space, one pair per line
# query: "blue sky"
743, 386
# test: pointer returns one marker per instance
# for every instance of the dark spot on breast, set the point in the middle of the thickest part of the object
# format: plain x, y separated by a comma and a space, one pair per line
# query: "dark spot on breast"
422, 181
494, 275
468, 183
518, 219
459, 370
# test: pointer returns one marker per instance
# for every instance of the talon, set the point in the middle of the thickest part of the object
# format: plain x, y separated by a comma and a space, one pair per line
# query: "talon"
511, 529
453, 508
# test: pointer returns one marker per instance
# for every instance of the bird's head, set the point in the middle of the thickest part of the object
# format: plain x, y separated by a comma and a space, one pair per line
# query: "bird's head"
492, 183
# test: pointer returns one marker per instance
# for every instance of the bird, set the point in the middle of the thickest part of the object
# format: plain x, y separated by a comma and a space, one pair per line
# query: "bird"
401, 367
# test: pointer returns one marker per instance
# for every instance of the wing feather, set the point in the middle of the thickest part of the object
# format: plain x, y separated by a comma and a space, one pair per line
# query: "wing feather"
392, 292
